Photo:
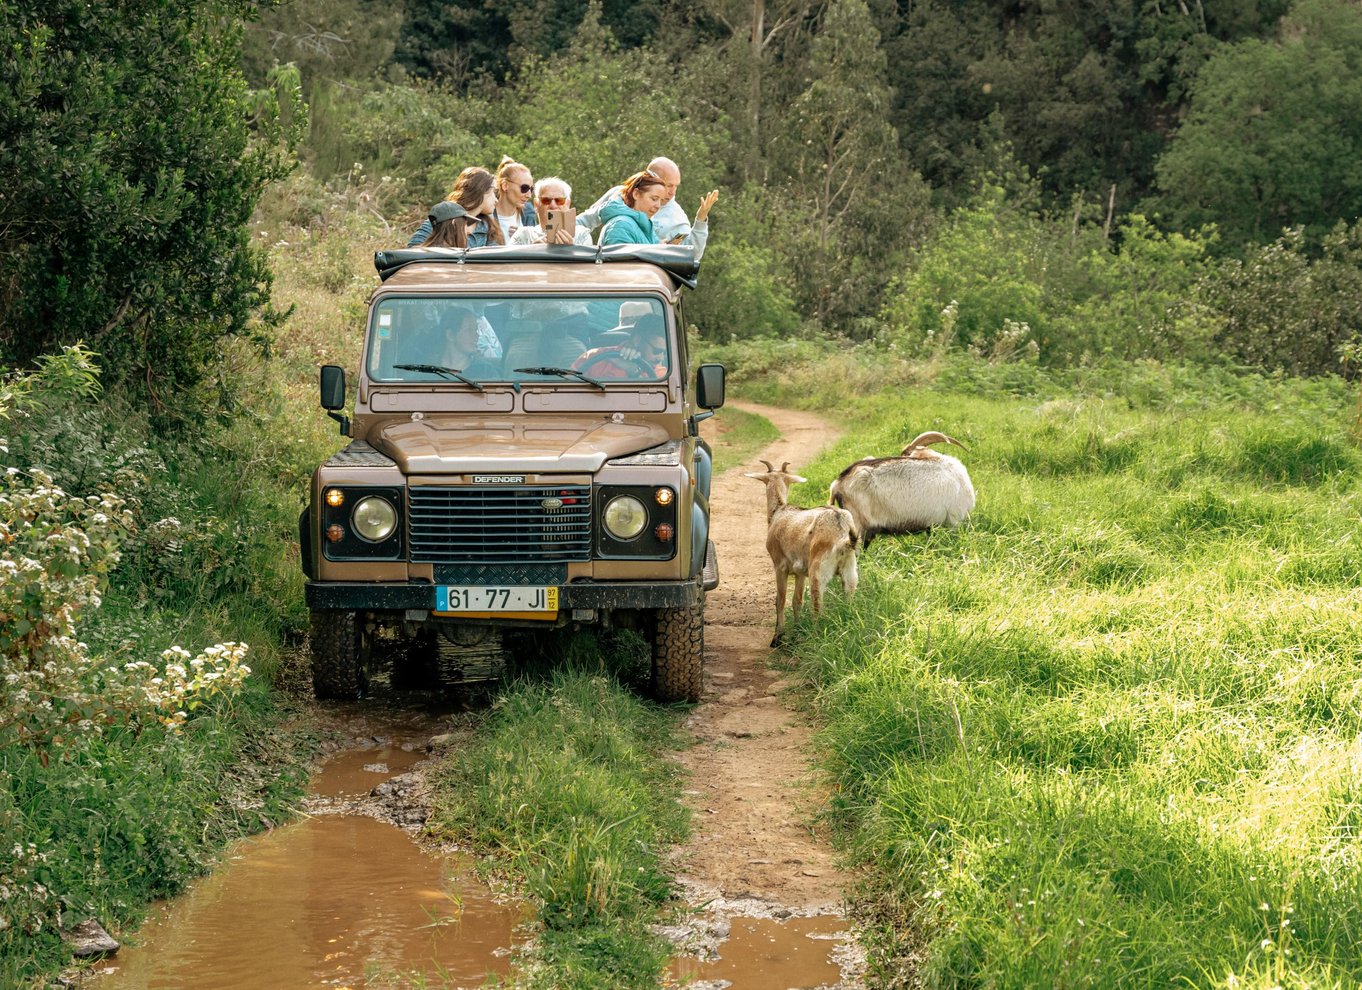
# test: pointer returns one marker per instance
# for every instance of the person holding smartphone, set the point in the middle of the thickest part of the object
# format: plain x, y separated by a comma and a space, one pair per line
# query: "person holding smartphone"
553, 201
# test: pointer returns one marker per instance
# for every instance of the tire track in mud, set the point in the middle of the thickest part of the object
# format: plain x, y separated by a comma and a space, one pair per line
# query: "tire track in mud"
755, 850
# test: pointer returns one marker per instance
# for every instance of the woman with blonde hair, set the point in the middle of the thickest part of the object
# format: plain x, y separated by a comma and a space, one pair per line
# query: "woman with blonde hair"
475, 193
514, 207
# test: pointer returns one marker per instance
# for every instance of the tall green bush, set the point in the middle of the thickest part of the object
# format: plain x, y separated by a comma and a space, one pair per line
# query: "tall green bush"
991, 260
1001, 279
1288, 307
133, 154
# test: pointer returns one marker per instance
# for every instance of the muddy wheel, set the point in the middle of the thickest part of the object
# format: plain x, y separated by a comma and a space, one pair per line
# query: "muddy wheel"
679, 653
339, 656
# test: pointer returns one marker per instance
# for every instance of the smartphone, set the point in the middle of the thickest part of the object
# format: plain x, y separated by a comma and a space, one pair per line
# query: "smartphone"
564, 219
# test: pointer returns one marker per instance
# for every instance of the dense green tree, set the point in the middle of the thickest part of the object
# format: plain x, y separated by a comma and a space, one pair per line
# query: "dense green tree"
1293, 306
457, 42
1086, 90
130, 173
1273, 137
596, 113
850, 198
328, 40
753, 40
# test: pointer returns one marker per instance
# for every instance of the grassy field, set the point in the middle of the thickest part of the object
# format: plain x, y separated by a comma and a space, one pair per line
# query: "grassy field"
1109, 732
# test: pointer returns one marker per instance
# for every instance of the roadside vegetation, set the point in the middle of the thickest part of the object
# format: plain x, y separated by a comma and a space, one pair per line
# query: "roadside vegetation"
1105, 733
740, 436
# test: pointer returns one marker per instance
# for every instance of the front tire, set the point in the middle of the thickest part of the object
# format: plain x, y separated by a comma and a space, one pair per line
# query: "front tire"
339, 656
679, 653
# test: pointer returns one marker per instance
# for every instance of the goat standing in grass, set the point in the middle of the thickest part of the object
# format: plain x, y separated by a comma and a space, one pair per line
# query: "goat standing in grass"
817, 543
910, 493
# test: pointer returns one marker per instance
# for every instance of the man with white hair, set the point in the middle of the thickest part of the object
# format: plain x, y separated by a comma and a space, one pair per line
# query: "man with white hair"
670, 223
552, 193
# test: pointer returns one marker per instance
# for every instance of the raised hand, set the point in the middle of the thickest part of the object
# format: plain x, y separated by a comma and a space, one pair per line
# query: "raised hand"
706, 202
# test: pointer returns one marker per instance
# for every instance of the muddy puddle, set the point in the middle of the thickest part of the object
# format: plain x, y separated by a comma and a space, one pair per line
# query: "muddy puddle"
770, 954
340, 899
347, 898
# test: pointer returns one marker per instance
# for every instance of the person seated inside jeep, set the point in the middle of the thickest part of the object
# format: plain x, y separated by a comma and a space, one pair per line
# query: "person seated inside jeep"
453, 344
643, 355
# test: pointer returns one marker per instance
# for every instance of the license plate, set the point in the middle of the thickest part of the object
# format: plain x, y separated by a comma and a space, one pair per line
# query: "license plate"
492, 602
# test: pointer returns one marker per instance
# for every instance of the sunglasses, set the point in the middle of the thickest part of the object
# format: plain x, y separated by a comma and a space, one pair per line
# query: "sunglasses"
553, 200
526, 188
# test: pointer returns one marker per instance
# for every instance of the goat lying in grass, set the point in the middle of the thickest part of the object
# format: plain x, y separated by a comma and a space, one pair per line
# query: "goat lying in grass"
910, 493
817, 543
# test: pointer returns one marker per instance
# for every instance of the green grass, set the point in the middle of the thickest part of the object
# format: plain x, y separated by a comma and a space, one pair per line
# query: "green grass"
568, 787
1106, 733
741, 436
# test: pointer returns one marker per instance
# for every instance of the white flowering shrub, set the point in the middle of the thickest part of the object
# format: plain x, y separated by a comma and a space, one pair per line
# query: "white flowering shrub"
57, 698
55, 553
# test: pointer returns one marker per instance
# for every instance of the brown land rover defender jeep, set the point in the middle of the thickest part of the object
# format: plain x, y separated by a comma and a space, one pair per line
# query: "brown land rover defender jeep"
525, 457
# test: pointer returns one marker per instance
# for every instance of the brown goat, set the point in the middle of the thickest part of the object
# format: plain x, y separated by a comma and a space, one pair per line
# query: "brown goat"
817, 543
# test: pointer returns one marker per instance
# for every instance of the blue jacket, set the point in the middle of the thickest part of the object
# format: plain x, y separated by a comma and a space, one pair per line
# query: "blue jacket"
477, 237
625, 225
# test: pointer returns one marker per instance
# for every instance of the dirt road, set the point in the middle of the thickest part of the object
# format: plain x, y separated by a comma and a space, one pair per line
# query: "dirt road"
751, 782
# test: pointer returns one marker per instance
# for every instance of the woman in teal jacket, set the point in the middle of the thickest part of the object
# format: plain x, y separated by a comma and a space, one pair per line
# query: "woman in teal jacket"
629, 220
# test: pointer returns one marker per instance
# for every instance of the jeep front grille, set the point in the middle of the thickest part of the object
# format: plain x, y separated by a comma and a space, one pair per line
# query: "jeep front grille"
499, 525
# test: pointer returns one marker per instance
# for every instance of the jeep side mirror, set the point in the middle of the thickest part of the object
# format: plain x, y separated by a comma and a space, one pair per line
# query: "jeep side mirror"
333, 386
709, 387
333, 395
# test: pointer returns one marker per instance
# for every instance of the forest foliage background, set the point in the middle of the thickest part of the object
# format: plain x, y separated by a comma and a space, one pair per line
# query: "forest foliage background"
1129, 178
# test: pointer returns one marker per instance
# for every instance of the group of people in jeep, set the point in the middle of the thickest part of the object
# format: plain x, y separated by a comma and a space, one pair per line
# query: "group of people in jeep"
510, 207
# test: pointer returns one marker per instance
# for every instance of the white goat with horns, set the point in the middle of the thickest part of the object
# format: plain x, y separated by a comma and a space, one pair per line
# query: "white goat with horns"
910, 493
817, 543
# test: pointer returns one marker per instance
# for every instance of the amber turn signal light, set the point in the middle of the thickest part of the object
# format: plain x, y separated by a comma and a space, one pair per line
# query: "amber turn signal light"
335, 532
335, 497
664, 496
664, 532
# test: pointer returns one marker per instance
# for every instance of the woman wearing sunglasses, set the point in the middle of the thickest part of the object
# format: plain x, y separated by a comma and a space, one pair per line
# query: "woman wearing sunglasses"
514, 209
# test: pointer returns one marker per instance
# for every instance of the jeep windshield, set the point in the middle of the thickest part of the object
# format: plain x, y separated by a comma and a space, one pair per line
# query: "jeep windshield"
586, 341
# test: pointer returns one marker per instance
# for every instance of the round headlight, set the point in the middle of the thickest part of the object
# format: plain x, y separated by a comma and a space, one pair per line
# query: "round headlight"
374, 519
625, 517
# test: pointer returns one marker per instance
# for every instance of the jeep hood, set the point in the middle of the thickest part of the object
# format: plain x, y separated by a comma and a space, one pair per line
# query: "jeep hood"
448, 445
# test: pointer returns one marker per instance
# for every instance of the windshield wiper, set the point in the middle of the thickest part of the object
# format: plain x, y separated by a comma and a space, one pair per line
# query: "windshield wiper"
436, 369
561, 373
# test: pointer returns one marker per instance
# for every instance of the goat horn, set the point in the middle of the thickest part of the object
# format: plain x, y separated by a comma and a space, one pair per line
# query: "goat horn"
785, 468
767, 463
931, 437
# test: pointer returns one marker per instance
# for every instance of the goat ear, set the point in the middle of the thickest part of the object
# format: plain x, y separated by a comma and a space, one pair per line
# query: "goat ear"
797, 479
758, 477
